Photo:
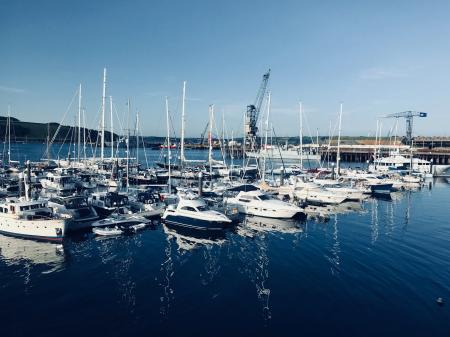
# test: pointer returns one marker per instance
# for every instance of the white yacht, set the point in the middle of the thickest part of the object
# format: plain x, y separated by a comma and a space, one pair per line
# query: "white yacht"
121, 221
31, 219
192, 212
400, 162
319, 195
260, 204
58, 182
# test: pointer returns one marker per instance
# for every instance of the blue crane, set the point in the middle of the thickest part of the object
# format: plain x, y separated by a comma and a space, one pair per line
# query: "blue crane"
252, 114
408, 115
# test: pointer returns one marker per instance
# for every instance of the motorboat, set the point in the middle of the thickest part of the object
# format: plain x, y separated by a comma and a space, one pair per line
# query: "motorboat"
147, 204
31, 219
193, 212
81, 214
319, 195
138, 226
58, 182
398, 162
105, 203
120, 220
107, 231
261, 204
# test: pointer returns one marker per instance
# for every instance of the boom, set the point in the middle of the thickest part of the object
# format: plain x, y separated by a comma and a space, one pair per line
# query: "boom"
408, 115
252, 114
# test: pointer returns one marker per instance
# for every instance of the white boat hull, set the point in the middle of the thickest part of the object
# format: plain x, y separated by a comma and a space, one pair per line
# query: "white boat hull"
48, 229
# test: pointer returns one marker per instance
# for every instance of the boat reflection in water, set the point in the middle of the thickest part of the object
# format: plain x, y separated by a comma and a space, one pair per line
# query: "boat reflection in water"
180, 243
16, 251
190, 238
27, 253
326, 212
256, 223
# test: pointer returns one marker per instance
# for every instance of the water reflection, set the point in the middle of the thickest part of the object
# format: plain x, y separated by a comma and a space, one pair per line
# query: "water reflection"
18, 251
188, 239
168, 272
30, 254
255, 262
286, 226
335, 248
117, 254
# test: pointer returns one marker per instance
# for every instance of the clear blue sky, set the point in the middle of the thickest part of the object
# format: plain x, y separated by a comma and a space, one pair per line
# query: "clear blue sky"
377, 57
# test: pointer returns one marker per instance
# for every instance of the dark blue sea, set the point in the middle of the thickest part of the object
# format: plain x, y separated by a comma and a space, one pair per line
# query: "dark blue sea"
373, 270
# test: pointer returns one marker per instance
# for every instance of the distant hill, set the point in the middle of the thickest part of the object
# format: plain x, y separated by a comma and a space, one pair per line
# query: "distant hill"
38, 132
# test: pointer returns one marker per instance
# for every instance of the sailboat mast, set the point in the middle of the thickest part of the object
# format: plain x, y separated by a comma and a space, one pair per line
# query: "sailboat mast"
183, 106
232, 154
338, 154
84, 134
128, 145
269, 98
9, 135
211, 116
168, 145
79, 123
111, 126
301, 133
102, 139
137, 139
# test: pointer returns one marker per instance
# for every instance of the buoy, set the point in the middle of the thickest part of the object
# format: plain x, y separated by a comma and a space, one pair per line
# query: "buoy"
440, 301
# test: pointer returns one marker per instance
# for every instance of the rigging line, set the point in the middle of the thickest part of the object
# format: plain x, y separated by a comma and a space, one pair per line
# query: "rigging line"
143, 146
60, 148
62, 121
330, 137
307, 126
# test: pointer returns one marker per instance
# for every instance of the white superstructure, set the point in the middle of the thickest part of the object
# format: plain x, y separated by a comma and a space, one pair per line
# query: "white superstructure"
33, 219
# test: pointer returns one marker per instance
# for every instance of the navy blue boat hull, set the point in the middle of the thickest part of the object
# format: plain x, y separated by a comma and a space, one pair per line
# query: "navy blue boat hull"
186, 222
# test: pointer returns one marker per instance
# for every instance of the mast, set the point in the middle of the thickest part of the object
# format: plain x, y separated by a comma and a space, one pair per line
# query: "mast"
182, 158
168, 144
84, 134
223, 129
301, 134
111, 126
338, 154
265, 137
137, 139
9, 135
128, 146
232, 154
79, 123
102, 127
211, 116
48, 143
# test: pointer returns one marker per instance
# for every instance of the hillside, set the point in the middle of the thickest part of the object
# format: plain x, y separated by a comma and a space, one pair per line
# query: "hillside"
38, 132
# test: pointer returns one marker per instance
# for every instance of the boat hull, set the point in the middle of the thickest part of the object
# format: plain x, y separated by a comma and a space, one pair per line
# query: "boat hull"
48, 230
187, 222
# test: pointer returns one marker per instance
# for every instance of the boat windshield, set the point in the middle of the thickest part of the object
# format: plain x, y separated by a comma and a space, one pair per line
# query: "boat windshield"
264, 197
76, 203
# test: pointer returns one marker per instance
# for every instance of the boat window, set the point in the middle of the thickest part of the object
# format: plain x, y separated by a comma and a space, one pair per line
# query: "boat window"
12, 208
244, 200
94, 197
188, 208
265, 197
202, 208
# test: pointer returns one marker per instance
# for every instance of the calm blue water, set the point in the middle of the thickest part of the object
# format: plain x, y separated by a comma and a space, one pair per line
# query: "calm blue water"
375, 272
